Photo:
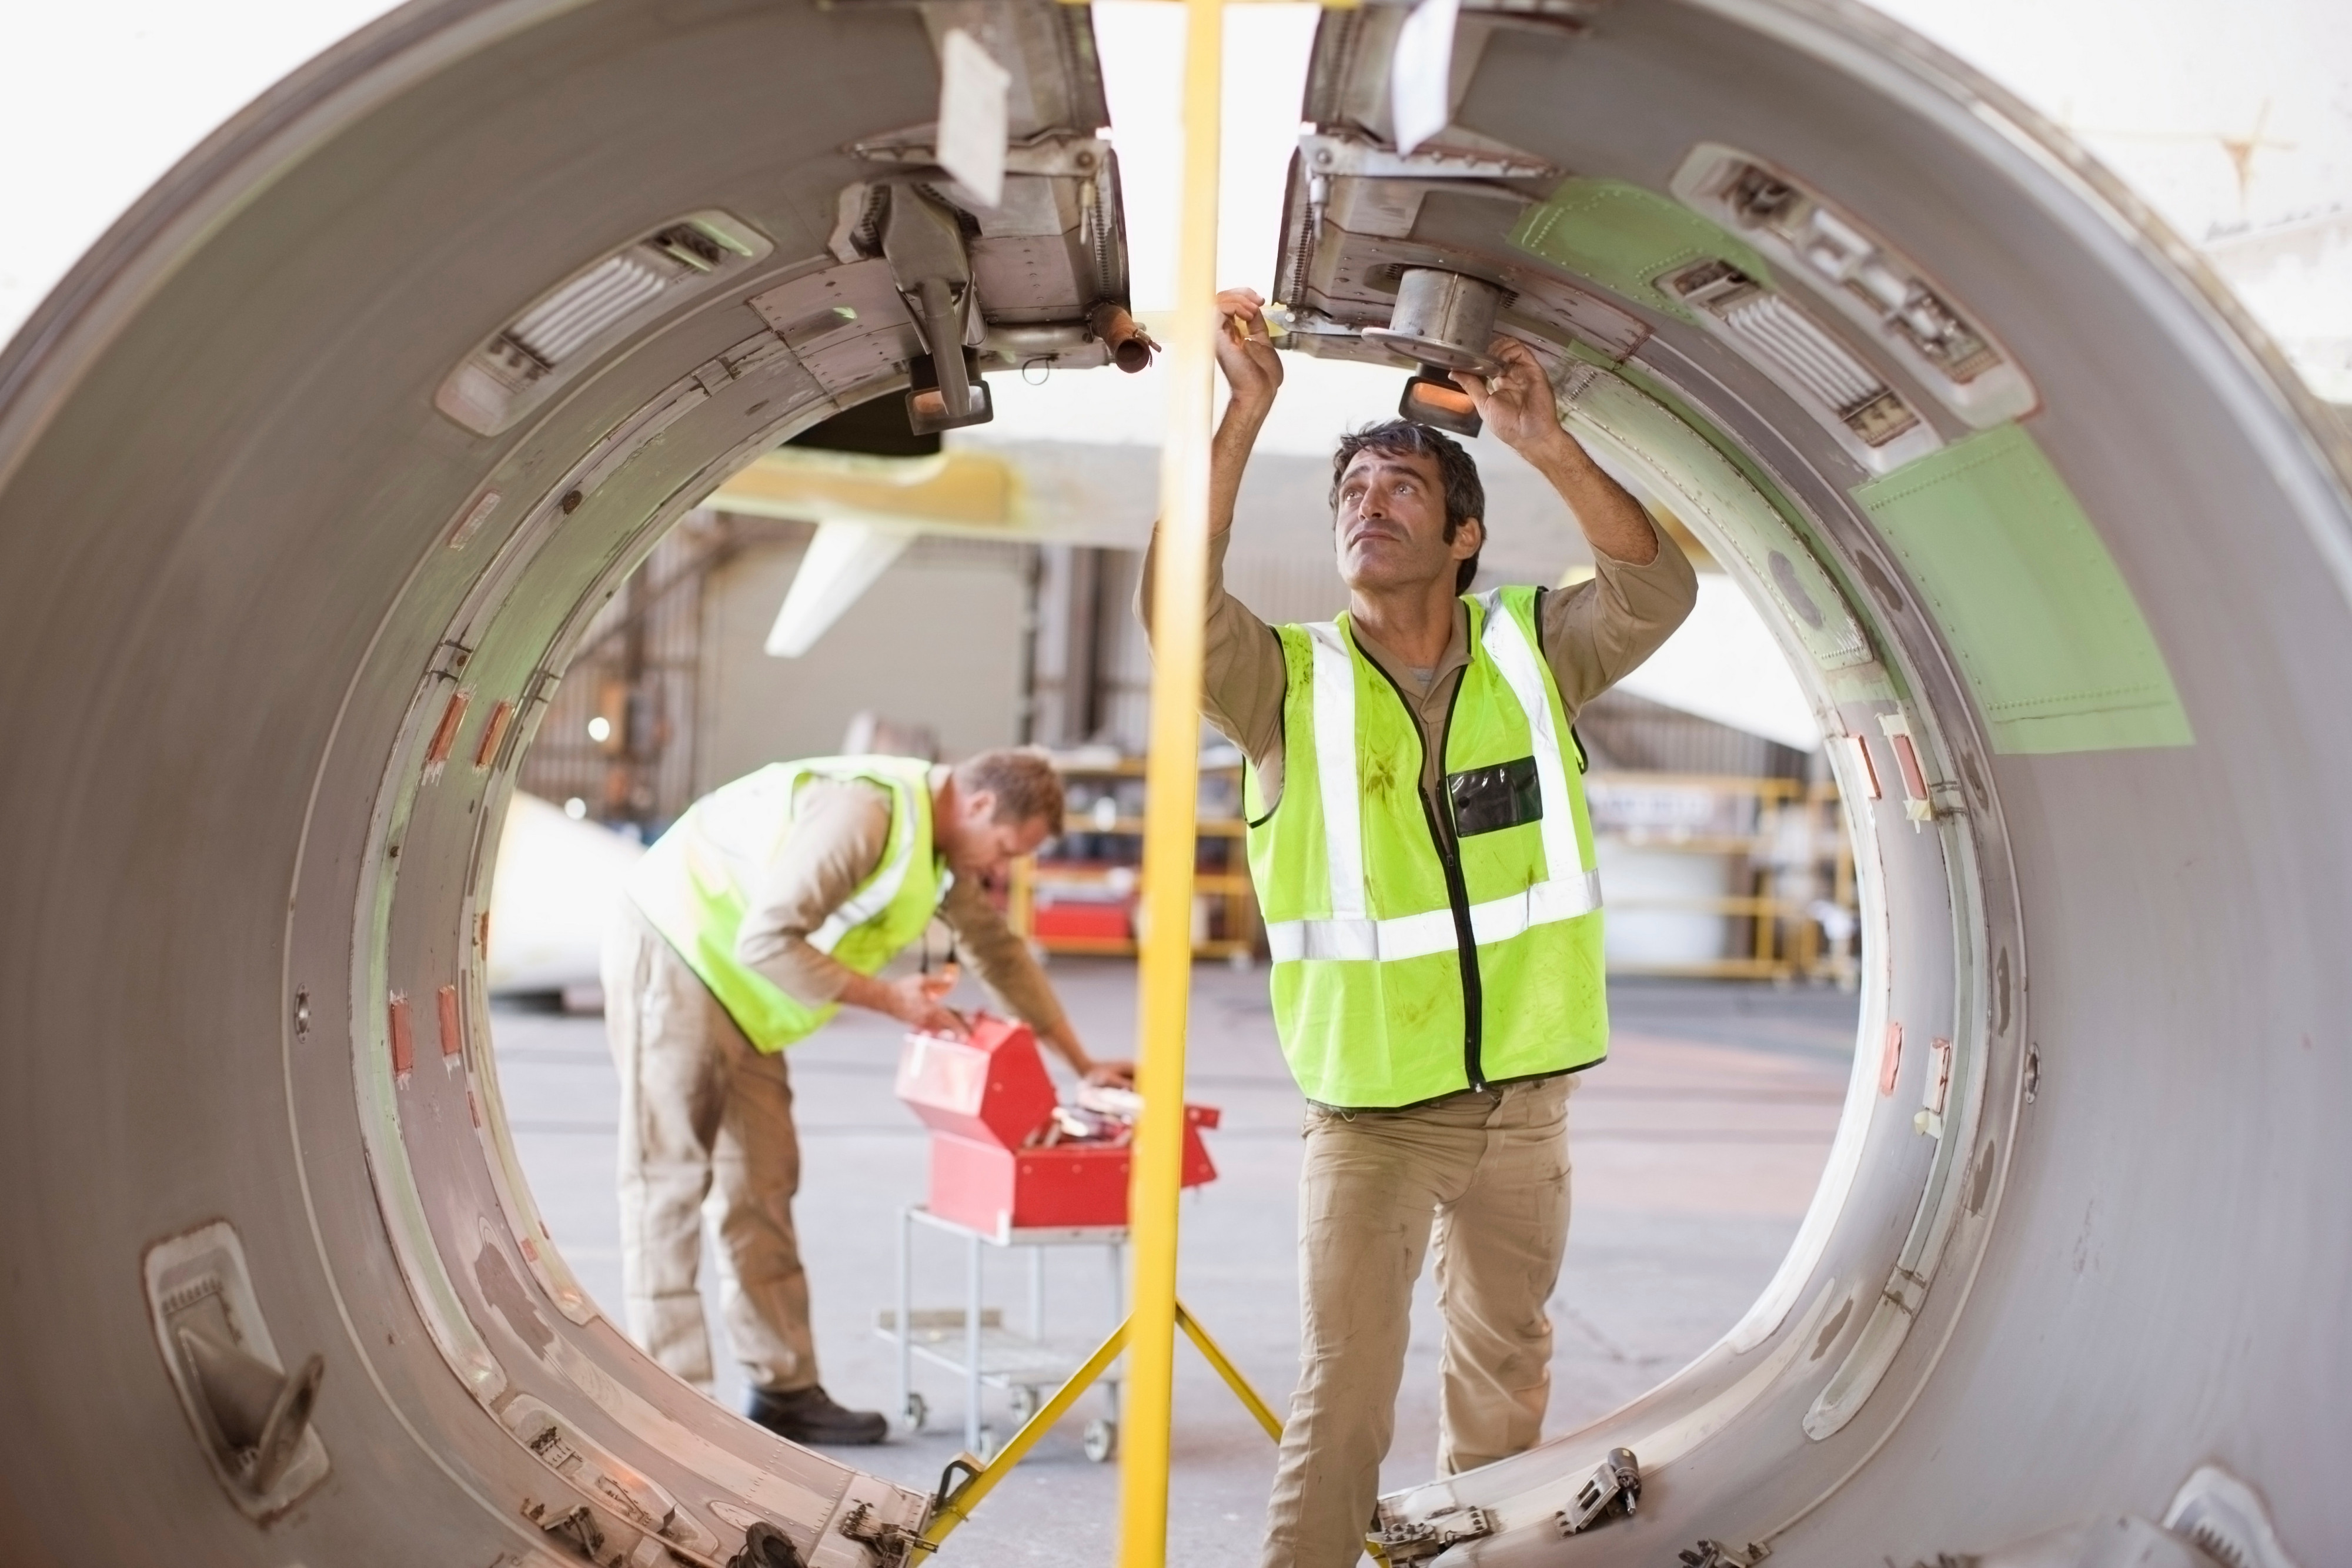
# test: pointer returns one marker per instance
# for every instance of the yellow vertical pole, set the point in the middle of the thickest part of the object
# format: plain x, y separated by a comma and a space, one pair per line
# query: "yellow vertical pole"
1172, 785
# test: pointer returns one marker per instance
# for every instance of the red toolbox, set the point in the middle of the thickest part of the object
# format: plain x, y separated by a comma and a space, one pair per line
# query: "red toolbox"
1006, 1155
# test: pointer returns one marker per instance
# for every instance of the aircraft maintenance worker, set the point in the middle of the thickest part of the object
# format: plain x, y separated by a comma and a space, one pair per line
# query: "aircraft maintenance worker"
765, 908
1421, 849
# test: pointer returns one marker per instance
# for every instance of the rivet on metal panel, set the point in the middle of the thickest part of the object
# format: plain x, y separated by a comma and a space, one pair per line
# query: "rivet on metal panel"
1890, 1061
453, 1043
302, 1014
493, 733
403, 1040
444, 734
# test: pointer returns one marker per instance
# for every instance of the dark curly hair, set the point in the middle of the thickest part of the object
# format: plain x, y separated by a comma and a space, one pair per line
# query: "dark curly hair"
1466, 497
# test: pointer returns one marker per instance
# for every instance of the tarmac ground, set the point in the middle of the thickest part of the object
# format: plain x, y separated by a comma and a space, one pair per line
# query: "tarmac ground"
1696, 1148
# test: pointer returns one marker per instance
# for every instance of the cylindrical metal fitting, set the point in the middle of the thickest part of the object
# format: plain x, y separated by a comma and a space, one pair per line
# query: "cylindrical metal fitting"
1441, 319
1130, 346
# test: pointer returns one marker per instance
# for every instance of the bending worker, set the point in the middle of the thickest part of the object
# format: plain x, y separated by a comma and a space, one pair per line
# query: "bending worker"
1419, 842
767, 907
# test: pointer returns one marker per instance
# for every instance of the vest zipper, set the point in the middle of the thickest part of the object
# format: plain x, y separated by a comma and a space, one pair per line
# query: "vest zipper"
1457, 894
1457, 891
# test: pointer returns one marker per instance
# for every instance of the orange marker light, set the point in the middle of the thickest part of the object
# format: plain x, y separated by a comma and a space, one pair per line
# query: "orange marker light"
493, 733
403, 1042
453, 1044
1434, 400
444, 734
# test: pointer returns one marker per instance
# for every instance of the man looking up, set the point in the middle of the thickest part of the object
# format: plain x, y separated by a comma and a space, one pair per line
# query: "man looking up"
768, 907
1419, 846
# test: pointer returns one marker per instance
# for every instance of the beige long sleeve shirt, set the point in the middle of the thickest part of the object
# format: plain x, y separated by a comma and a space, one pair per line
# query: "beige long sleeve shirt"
1593, 635
839, 831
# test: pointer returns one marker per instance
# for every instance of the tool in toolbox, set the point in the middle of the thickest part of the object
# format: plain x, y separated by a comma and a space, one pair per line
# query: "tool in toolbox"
1011, 1165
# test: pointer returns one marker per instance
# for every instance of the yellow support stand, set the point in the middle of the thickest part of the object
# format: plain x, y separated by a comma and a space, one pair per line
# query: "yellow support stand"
1171, 788
958, 1500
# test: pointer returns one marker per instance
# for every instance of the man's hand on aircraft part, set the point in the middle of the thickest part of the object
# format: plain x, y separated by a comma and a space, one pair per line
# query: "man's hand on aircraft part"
1109, 1075
1245, 348
1519, 407
1516, 405
1246, 353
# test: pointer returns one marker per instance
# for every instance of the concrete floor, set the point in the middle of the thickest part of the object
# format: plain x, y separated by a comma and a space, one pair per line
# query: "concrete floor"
1696, 1148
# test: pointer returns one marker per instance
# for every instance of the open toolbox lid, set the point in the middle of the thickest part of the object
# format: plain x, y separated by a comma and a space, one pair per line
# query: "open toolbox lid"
991, 1085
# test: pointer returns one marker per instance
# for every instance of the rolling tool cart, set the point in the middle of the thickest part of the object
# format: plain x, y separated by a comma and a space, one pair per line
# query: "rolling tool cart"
1011, 1167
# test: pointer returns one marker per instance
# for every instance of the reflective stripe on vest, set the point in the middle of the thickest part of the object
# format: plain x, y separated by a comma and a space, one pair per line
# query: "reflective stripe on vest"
871, 899
1426, 943
1349, 933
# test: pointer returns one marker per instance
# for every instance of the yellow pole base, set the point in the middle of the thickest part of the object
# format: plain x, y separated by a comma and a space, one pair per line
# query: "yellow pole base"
955, 1503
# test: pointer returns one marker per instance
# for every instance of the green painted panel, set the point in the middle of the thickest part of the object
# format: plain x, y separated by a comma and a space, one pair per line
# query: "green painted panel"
1873, 681
1691, 477
2047, 634
1623, 237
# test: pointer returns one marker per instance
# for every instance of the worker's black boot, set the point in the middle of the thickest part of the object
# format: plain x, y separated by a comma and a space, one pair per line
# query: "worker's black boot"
810, 1415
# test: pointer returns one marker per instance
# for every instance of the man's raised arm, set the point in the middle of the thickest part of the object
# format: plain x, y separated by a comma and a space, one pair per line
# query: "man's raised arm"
1242, 673
1596, 633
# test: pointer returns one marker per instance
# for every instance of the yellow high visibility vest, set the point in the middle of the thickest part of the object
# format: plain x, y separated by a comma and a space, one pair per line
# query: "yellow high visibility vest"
696, 881
1406, 970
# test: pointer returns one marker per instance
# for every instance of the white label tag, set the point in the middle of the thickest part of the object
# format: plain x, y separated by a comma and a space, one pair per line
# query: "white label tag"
1421, 73
972, 89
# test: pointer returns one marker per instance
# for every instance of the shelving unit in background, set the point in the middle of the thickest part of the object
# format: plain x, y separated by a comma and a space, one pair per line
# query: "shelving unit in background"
1095, 867
1790, 914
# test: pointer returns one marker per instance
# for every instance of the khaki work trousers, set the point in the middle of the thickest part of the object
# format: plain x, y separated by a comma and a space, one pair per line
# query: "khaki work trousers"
1489, 1172
699, 1106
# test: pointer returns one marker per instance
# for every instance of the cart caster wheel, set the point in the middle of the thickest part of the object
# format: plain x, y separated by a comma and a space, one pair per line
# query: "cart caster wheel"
917, 1412
1101, 1440
1025, 1404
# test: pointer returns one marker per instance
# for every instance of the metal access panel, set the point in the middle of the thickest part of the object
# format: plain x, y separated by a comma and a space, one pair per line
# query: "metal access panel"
199, 1282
